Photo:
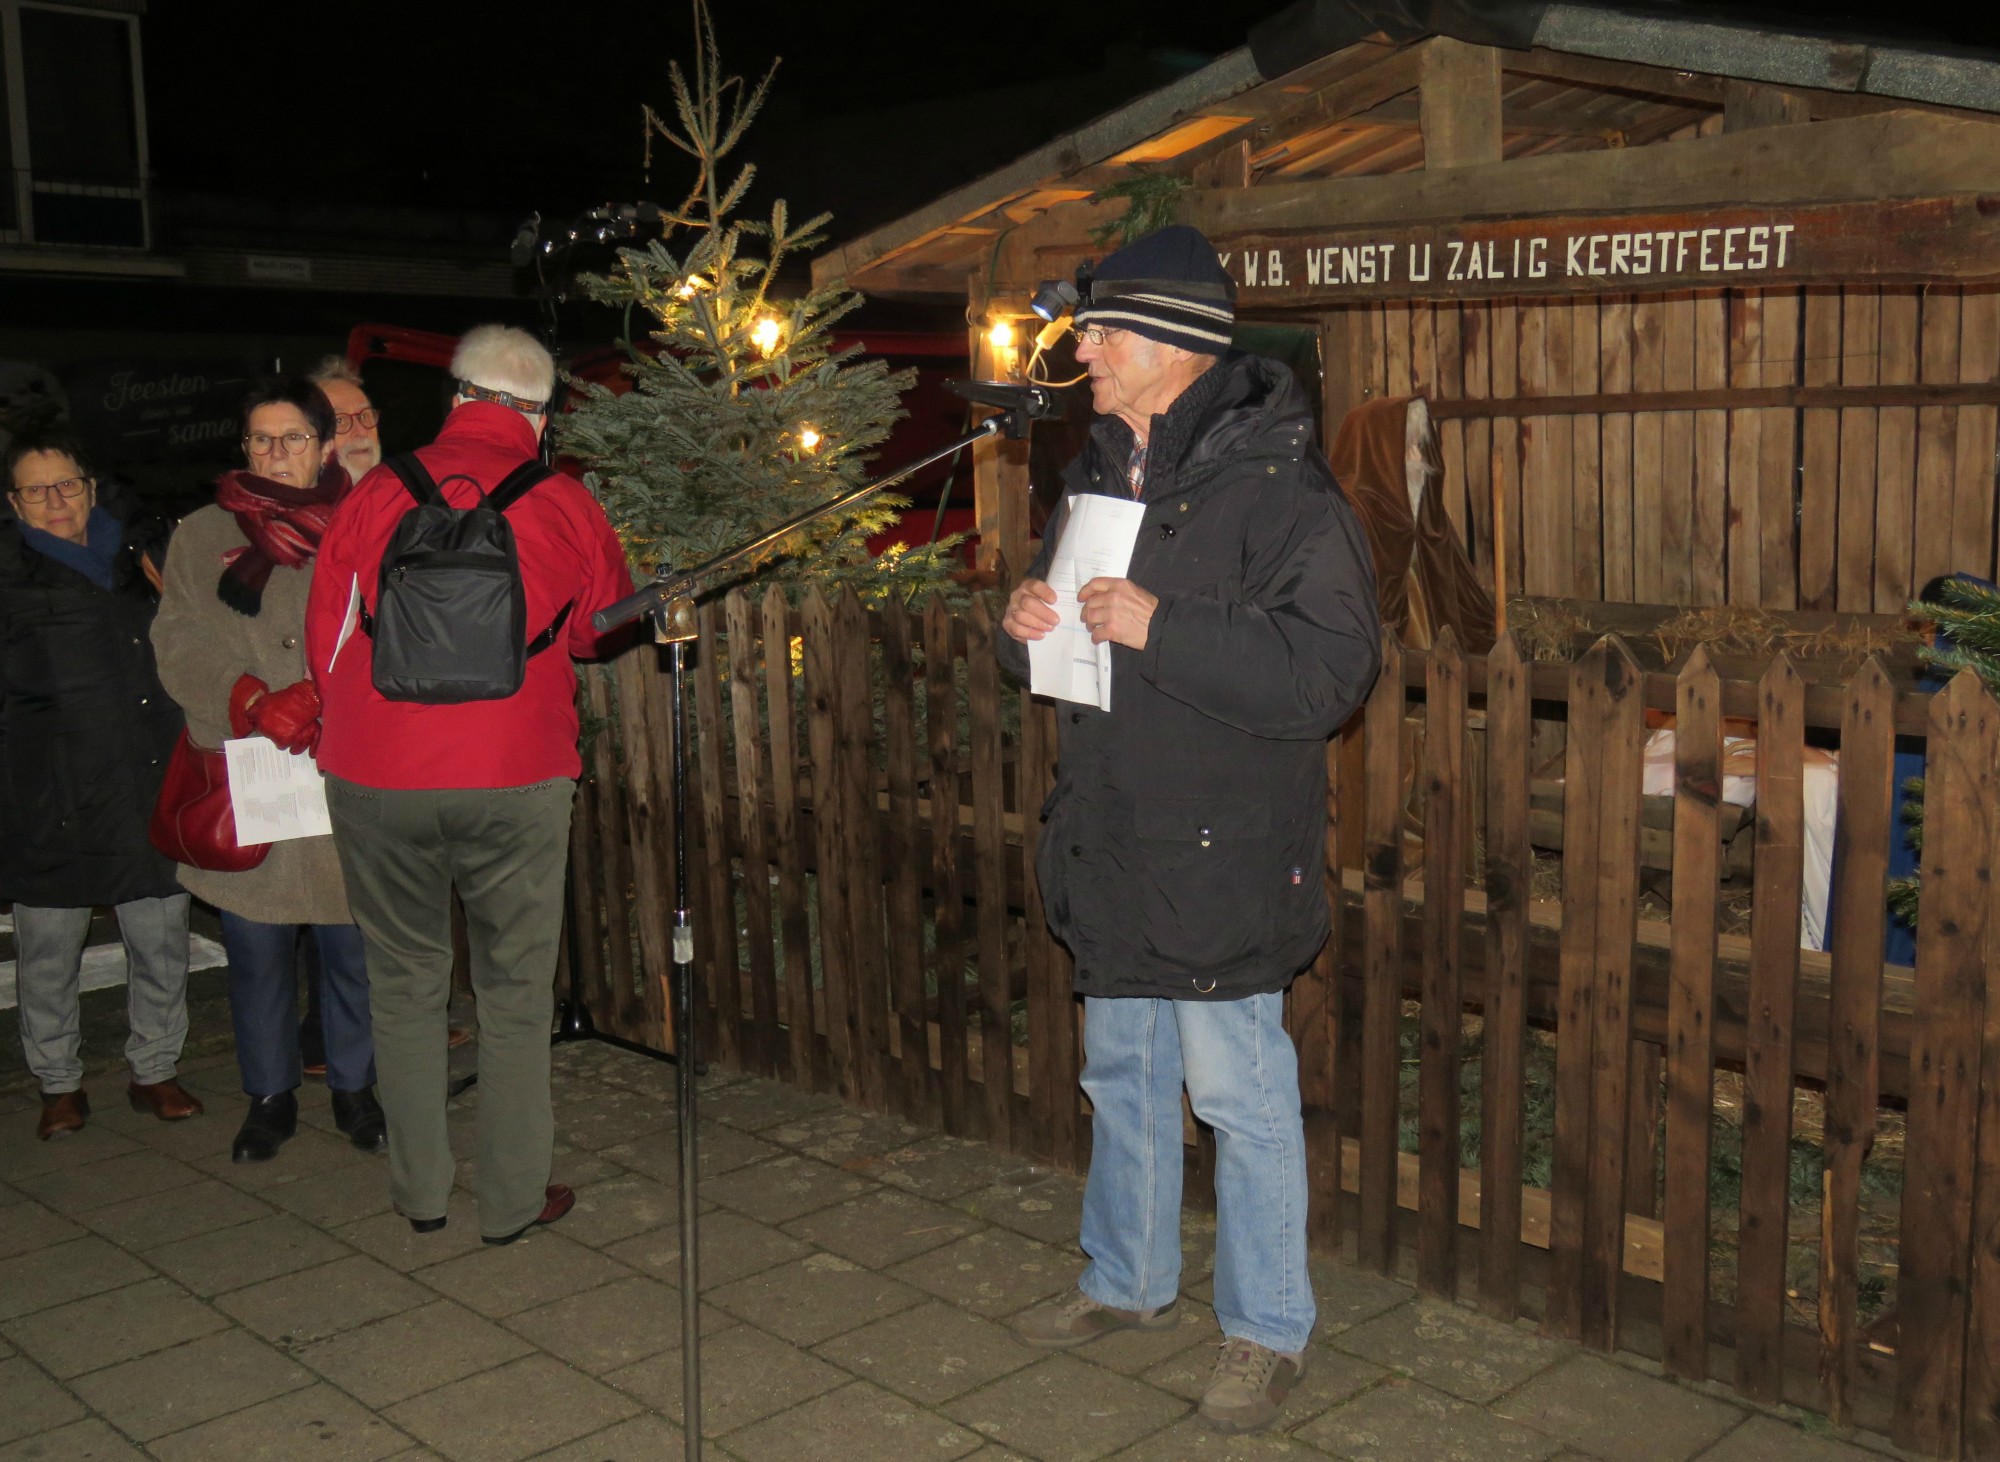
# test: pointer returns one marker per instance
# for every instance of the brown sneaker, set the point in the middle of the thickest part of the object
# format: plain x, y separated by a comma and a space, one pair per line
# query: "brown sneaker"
63, 1113
1078, 1320
1249, 1386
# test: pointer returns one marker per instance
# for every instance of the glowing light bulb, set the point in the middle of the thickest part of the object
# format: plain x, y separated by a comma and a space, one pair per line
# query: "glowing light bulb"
766, 333
809, 439
1001, 336
689, 285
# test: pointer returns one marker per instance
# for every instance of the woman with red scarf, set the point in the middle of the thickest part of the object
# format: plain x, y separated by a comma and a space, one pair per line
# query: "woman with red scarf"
230, 640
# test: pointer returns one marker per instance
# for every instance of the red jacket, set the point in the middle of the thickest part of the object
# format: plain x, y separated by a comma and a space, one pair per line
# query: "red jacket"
567, 552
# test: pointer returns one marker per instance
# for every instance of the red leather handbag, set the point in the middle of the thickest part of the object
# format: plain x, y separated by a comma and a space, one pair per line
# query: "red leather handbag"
193, 822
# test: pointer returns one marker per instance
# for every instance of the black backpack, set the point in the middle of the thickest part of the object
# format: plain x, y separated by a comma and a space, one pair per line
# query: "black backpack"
451, 617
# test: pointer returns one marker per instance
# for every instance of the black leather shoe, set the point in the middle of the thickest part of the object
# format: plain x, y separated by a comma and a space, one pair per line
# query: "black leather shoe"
359, 1117
426, 1225
269, 1126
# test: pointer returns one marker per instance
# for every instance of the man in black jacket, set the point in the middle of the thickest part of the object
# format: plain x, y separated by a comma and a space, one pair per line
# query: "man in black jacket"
1182, 857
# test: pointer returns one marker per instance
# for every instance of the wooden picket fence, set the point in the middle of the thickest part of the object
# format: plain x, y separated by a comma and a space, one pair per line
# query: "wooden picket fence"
868, 923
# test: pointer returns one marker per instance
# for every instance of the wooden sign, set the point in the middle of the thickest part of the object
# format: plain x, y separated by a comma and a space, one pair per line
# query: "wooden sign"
1906, 240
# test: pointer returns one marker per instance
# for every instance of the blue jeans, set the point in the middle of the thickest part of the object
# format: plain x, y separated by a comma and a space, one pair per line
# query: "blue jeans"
264, 1004
1242, 1078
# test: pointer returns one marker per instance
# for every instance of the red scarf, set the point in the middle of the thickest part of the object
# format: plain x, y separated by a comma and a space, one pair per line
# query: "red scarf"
284, 526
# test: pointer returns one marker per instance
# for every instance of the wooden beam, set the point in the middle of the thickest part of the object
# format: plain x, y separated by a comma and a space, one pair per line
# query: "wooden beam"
1745, 105
1912, 240
1890, 155
1458, 93
1978, 393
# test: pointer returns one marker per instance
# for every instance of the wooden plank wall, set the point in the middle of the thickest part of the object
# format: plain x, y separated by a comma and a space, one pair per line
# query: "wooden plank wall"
1849, 508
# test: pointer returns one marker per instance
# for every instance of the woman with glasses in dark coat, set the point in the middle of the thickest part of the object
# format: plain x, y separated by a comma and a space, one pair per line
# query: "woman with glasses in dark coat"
85, 732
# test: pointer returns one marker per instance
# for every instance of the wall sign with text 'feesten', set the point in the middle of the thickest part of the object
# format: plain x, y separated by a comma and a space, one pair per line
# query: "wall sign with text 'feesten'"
1907, 240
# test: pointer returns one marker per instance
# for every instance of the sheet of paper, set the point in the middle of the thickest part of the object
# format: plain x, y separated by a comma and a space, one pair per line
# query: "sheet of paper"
276, 795
347, 621
1097, 543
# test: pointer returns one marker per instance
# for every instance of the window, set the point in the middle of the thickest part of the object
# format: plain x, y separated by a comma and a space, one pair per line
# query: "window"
74, 125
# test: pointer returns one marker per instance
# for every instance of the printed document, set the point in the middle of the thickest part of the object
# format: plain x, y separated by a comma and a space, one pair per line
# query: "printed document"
1096, 544
276, 795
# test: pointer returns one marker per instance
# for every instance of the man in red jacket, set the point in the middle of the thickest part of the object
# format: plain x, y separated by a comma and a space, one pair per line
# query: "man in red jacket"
474, 795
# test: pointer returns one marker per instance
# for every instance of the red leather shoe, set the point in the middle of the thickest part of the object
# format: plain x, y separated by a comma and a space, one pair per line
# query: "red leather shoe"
67, 1111
560, 1201
168, 1100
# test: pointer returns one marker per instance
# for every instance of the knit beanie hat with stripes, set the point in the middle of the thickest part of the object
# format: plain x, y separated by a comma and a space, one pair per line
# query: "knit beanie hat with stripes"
1167, 287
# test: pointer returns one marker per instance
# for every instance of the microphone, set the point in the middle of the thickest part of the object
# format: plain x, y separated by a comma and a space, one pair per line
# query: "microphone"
1036, 403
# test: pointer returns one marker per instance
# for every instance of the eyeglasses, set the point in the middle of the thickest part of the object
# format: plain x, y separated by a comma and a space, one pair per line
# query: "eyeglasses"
347, 421
68, 488
262, 444
1095, 334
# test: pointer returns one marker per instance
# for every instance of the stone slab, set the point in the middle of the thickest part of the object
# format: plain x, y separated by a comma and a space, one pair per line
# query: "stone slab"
201, 1207
77, 1190
30, 1402
81, 1441
929, 1354
993, 1272
1401, 1420
118, 1325
815, 1298
1063, 1409
1764, 1439
785, 1187
882, 1228
297, 1309
416, 1351
172, 1390
858, 1423
317, 1422
746, 1375
1457, 1351
503, 1279
607, 1327
730, 1247
1331, 1377
45, 1278
516, 1411
28, 1226
1610, 1410
231, 1258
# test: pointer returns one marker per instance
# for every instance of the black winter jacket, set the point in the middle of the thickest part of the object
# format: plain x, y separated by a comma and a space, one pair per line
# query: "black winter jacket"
85, 730
1185, 842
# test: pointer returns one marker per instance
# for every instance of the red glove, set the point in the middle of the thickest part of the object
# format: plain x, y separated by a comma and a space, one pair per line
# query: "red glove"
290, 717
247, 691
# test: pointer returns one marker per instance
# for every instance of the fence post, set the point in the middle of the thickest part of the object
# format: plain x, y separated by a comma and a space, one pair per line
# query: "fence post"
1594, 1032
996, 1022
1438, 1114
806, 1059
947, 895
1691, 1016
1948, 1030
905, 893
835, 945
1509, 870
861, 850
1382, 959
734, 1040
769, 1047
1865, 824
1763, 1227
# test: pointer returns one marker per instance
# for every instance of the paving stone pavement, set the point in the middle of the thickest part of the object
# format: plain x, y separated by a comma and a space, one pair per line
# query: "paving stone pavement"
158, 1301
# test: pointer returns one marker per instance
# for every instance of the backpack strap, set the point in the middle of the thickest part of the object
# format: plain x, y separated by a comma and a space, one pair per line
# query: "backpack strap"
415, 477
517, 485
547, 637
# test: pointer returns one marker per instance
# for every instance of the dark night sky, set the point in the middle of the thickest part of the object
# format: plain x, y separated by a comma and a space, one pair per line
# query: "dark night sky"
515, 107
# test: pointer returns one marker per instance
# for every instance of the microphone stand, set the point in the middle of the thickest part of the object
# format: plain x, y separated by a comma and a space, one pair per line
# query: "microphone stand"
669, 601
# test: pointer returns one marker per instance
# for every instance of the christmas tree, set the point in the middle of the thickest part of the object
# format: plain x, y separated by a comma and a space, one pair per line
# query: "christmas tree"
741, 414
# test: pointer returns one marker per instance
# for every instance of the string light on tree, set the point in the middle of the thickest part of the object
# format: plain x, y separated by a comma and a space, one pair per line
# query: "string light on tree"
738, 398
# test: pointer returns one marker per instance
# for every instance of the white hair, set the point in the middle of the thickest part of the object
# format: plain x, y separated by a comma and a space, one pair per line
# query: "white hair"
334, 368
504, 358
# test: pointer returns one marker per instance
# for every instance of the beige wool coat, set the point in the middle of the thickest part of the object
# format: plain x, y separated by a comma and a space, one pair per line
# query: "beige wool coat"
202, 646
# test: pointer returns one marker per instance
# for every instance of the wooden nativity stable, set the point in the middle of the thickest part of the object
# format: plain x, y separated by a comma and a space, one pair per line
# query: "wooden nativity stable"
1705, 314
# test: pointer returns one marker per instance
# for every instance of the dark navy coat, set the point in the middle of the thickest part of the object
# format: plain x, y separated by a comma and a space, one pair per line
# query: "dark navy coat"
1184, 846
85, 731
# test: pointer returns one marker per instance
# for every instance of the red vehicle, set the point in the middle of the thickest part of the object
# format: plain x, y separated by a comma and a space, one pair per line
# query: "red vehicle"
405, 369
